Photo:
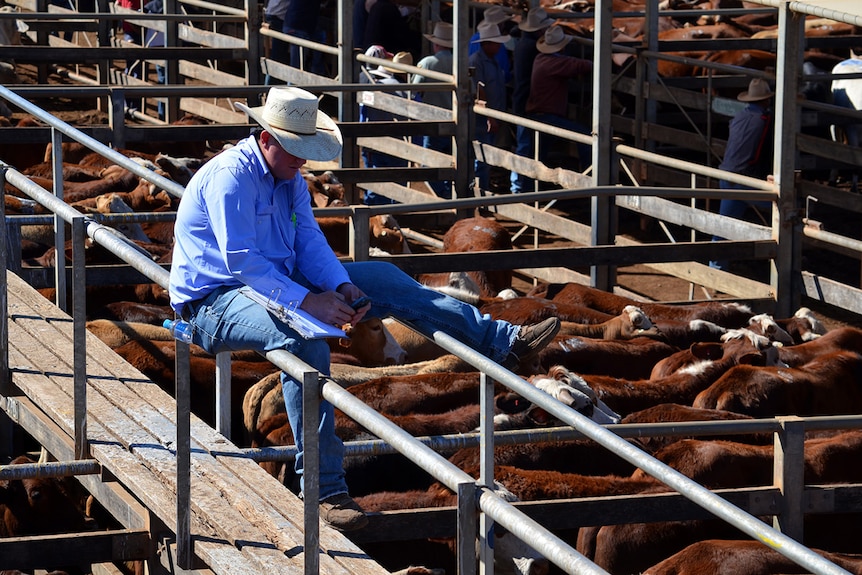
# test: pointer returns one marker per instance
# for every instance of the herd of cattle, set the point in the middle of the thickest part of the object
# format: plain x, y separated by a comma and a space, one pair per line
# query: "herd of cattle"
614, 360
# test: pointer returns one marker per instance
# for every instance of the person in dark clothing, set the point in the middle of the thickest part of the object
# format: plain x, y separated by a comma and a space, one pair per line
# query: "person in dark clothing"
748, 152
387, 27
530, 30
300, 20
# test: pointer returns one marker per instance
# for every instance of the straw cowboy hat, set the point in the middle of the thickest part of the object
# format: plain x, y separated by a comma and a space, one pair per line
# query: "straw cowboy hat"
537, 18
291, 115
758, 90
489, 32
442, 34
553, 41
399, 58
495, 15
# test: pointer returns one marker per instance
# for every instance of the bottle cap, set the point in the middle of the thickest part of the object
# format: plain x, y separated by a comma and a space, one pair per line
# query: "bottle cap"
167, 323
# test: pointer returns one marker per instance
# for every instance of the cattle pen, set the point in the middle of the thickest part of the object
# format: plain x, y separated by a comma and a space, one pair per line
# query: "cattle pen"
185, 497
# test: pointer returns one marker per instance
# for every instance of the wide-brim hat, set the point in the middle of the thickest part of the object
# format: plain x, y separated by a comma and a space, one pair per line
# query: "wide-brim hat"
495, 15
442, 34
553, 41
405, 58
489, 32
291, 115
537, 18
758, 90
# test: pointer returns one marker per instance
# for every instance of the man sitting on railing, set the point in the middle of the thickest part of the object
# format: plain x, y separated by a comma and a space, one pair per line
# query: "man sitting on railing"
246, 220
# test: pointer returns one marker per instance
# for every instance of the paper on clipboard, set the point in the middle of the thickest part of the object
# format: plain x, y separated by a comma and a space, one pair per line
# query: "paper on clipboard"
301, 321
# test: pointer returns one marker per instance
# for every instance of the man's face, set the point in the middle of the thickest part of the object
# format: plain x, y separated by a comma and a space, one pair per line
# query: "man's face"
283, 164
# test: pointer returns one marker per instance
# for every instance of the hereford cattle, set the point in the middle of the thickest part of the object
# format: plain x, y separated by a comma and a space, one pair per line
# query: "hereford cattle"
725, 314
843, 338
827, 385
371, 344
750, 557
702, 352
528, 310
40, 506
627, 395
632, 322
385, 234
476, 234
511, 556
721, 464
632, 358
675, 413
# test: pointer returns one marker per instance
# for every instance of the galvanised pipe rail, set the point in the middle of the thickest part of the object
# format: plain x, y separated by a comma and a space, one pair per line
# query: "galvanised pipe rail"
526, 529
670, 477
101, 234
657, 159
169, 186
453, 442
51, 469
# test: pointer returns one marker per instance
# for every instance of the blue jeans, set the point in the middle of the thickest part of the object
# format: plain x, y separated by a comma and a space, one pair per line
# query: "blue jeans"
734, 209
375, 159
443, 189
546, 142
523, 147
226, 320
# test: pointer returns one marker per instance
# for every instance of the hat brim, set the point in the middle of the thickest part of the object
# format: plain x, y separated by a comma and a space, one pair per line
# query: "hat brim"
441, 41
546, 48
526, 27
322, 146
746, 97
501, 39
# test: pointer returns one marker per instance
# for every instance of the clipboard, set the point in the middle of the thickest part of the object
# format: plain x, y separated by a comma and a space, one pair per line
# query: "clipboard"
299, 320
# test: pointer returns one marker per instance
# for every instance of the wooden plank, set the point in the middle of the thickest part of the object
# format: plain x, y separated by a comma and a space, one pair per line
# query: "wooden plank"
212, 112
503, 158
694, 218
407, 150
115, 499
209, 74
578, 256
205, 38
139, 415
410, 109
48, 551
152, 442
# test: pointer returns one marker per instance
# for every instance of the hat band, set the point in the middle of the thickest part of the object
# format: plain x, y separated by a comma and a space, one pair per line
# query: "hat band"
301, 126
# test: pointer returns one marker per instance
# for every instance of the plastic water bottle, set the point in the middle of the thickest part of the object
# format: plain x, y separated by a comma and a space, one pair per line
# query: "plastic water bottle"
180, 329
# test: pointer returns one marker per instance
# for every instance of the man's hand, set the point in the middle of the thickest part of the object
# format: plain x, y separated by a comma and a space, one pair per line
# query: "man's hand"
333, 307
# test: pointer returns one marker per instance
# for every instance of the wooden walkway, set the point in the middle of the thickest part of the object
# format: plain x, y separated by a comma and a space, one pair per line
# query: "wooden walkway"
243, 520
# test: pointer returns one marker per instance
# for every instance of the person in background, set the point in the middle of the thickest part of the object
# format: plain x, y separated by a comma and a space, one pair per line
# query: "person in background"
549, 89
531, 29
300, 20
439, 61
748, 152
274, 16
246, 221
153, 38
489, 85
383, 75
132, 33
387, 27
494, 15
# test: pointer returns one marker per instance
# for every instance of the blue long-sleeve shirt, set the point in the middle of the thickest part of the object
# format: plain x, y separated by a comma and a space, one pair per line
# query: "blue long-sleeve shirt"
749, 142
237, 225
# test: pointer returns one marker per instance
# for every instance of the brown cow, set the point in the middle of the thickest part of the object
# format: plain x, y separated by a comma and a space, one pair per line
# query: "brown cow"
750, 557
474, 235
40, 506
